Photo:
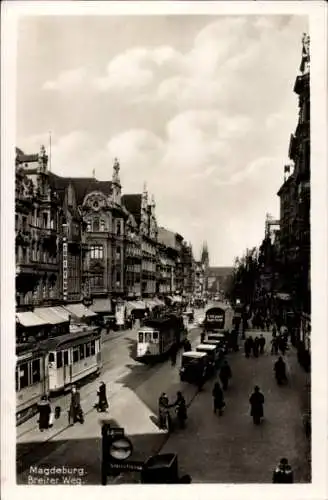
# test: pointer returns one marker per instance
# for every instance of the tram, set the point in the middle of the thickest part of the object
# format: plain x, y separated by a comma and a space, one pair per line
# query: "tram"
157, 336
54, 366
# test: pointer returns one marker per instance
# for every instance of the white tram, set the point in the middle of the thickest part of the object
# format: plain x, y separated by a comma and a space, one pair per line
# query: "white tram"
53, 366
157, 336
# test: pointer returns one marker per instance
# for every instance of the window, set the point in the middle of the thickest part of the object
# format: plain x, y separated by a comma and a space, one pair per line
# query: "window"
96, 225
17, 379
147, 336
23, 375
36, 374
89, 226
82, 351
93, 347
97, 281
59, 357
75, 354
102, 225
24, 223
87, 350
65, 358
51, 358
96, 252
155, 335
140, 337
45, 220
118, 227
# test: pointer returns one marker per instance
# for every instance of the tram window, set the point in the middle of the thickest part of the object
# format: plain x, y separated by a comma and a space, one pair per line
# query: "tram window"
23, 375
155, 335
65, 358
59, 359
93, 347
75, 355
141, 337
82, 351
36, 375
87, 350
147, 337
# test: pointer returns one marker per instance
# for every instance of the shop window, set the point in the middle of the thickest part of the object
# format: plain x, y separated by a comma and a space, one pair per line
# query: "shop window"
75, 354
59, 359
36, 371
23, 375
82, 351
93, 347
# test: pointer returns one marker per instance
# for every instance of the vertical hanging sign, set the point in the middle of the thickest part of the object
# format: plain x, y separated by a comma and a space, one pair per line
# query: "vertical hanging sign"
65, 273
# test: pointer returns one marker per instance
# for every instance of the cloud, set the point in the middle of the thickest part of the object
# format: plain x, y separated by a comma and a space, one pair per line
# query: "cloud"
67, 80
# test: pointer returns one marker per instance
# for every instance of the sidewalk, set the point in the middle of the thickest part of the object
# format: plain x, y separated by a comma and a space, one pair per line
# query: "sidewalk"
230, 449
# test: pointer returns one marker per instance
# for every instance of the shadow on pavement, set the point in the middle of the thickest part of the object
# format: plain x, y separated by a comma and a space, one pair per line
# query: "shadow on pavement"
81, 454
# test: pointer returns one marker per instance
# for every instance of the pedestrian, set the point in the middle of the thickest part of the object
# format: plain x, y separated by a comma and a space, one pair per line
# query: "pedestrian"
280, 371
44, 409
248, 346
102, 398
256, 346
261, 344
173, 354
282, 344
268, 324
225, 375
274, 331
163, 404
75, 413
283, 473
256, 401
186, 345
201, 378
274, 346
218, 399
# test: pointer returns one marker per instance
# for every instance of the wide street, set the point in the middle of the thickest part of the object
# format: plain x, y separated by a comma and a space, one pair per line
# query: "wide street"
211, 449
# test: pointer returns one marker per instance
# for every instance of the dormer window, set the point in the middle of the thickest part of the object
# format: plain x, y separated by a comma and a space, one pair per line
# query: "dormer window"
96, 225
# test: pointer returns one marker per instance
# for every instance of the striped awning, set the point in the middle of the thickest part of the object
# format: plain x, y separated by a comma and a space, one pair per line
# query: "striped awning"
49, 315
28, 319
79, 311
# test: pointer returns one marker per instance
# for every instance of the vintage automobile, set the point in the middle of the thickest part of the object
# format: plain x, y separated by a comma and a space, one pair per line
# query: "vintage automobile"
194, 366
213, 353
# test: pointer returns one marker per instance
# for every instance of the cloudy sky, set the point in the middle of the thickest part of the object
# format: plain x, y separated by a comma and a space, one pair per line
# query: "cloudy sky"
199, 107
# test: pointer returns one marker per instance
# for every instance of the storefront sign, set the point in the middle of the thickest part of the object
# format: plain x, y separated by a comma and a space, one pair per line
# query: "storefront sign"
65, 269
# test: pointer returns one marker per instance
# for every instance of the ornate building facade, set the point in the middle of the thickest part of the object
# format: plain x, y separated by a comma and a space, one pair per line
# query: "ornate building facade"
37, 228
133, 258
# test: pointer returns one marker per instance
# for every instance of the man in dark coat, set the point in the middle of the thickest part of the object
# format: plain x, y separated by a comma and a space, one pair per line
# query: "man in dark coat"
280, 371
163, 404
256, 401
225, 375
218, 398
261, 344
187, 346
202, 337
283, 474
248, 346
256, 347
75, 410
282, 344
274, 345
102, 397
44, 409
173, 354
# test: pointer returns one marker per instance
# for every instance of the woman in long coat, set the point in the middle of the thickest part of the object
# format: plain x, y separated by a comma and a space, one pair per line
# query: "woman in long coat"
218, 398
102, 397
256, 401
44, 409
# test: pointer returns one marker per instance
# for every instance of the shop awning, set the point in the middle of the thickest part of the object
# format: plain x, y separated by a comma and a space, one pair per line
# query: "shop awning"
79, 311
101, 306
61, 312
136, 304
177, 298
28, 319
150, 303
49, 315
159, 302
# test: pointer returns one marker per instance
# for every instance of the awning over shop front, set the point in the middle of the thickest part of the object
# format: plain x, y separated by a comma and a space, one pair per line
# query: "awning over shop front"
79, 311
136, 304
61, 312
177, 298
101, 306
159, 302
150, 303
49, 315
28, 319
